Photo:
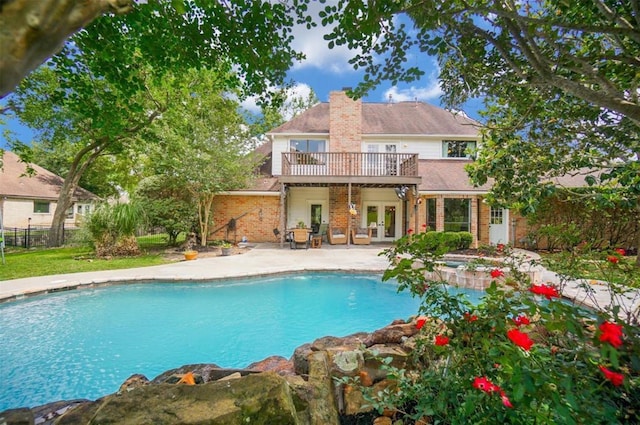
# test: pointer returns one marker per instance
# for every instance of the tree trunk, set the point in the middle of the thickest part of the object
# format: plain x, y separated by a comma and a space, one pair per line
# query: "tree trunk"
205, 204
35, 30
67, 190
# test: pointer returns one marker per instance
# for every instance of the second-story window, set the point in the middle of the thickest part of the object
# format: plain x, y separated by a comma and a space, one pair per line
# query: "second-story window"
307, 151
308, 145
457, 148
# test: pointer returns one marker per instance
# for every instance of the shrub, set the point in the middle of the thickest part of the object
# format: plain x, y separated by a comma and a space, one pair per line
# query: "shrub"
466, 239
441, 242
520, 356
112, 229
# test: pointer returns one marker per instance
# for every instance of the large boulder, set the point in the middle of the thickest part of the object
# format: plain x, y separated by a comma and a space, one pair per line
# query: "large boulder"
262, 399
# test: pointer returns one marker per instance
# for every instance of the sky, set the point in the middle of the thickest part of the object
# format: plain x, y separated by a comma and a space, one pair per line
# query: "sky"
325, 70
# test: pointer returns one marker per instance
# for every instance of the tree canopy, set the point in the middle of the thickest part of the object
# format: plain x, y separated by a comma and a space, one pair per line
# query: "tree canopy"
559, 81
253, 37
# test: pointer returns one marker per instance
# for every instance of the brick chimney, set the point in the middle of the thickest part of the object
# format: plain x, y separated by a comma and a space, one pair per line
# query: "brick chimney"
345, 122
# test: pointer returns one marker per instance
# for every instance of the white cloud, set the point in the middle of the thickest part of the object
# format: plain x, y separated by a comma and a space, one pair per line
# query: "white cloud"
311, 42
298, 90
425, 94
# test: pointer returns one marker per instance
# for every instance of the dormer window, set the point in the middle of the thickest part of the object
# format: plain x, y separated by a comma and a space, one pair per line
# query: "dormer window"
457, 148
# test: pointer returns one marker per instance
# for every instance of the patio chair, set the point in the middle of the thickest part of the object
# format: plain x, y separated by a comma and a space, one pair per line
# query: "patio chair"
336, 236
361, 236
300, 236
322, 231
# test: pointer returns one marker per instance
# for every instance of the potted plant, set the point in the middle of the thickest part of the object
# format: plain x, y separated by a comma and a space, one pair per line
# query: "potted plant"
190, 254
226, 248
301, 224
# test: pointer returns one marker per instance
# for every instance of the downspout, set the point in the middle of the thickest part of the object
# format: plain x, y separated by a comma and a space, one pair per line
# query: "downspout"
478, 221
416, 204
283, 195
349, 218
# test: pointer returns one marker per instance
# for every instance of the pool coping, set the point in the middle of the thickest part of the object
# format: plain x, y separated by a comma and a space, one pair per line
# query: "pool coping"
270, 260
254, 263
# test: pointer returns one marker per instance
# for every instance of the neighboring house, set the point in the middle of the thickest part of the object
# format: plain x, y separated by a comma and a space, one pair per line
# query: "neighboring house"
400, 165
31, 200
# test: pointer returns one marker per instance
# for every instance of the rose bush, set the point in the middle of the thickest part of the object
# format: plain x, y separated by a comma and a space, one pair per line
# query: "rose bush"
522, 355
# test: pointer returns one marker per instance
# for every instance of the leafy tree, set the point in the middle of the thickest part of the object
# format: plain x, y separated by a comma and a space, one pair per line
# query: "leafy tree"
96, 94
559, 80
166, 204
171, 34
83, 126
203, 144
107, 176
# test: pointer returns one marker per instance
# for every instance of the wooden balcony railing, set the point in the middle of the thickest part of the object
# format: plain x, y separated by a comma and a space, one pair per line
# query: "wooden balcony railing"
361, 164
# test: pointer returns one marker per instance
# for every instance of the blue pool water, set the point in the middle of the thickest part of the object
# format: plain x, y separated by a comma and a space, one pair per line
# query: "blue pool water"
85, 343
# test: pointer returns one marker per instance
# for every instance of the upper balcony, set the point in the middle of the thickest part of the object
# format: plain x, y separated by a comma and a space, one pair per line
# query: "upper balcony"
354, 167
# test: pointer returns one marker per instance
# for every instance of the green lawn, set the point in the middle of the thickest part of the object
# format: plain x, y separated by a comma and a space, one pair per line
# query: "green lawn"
41, 262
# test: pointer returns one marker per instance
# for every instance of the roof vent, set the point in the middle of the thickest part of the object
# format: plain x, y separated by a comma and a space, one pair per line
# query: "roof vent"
390, 98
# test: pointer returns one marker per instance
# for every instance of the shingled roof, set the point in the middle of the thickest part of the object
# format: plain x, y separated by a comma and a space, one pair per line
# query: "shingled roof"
43, 185
447, 175
412, 118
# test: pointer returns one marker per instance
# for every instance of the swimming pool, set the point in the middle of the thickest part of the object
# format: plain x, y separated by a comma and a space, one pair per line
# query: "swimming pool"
85, 343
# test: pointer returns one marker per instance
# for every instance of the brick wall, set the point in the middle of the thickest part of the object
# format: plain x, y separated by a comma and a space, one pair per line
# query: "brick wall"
339, 206
345, 123
262, 216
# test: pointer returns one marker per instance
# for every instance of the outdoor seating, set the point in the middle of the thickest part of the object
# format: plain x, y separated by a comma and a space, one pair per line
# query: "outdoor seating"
300, 236
361, 236
337, 236
322, 231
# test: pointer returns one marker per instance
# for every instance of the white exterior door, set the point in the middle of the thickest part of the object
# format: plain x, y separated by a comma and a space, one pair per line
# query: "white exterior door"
384, 219
498, 226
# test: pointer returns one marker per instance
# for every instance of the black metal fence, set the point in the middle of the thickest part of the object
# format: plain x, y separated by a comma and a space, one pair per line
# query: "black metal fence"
38, 236
31, 236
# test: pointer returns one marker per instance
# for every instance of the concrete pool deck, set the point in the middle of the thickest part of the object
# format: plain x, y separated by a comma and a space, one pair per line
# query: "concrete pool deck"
264, 259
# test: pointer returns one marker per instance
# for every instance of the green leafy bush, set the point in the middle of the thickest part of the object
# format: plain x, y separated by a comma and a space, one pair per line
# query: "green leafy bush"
441, 242
466, 239
521, 356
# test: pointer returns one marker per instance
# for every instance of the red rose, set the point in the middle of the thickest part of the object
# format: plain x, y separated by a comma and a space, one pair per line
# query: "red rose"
442, 340
521, 320
548, 291
615, 378
496, 273
520, 339
611, 333
420, 321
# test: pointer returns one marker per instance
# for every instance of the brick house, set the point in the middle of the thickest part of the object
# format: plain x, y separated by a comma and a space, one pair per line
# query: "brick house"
399, 165
32, 200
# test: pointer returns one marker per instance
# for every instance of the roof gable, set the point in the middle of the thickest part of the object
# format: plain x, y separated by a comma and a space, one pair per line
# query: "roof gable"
43, 185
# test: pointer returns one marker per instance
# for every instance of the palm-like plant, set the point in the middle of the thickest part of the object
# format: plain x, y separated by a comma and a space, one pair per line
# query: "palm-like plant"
112, 228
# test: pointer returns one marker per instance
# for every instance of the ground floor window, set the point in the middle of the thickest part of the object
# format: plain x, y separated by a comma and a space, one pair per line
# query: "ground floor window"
457, 215
41, 207
431, 213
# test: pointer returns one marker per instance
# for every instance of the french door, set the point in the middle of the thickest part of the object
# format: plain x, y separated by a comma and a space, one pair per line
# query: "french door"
384, 219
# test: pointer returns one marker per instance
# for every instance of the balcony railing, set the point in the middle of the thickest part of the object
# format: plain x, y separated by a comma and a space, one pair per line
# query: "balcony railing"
361, 164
